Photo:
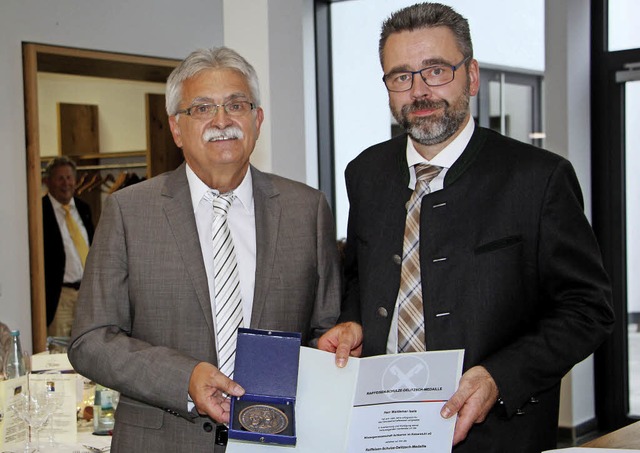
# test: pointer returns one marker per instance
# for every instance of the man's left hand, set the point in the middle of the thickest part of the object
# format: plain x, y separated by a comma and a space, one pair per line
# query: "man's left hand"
476, 395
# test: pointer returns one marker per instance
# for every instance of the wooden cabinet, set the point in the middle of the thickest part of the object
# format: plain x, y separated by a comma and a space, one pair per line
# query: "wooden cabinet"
102, 173
163, 154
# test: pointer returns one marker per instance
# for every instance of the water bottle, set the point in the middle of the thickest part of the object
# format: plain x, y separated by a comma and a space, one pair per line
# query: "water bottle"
15, 365
103, 411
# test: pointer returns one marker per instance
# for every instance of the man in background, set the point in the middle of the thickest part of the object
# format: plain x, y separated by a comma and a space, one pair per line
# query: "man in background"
182, 260
460, 238
68, 231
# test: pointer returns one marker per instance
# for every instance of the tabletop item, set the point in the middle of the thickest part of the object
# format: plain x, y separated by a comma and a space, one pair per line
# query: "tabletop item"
15, 365
96, 449
34, 409
103, 410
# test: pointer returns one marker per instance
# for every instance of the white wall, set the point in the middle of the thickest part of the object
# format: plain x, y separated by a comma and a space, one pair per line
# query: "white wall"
121, 105
277, 38
148, 27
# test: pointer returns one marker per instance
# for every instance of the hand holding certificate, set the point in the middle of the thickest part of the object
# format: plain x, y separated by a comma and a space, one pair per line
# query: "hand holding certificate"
398, 399
383, 403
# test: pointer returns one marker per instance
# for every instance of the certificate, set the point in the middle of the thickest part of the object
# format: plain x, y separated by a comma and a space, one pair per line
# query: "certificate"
382, 403
397, 402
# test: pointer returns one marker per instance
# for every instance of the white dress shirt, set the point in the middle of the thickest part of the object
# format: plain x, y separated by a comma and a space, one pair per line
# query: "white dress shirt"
445, 159
242, 223
73, 264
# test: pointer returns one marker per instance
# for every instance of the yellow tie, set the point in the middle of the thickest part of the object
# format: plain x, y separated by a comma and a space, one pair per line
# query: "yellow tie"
76, 235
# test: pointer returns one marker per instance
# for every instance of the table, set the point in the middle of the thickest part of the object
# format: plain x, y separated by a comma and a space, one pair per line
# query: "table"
627, 437
85, 437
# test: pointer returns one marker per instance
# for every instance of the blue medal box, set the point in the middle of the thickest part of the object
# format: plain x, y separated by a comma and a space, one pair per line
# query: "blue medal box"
267, 368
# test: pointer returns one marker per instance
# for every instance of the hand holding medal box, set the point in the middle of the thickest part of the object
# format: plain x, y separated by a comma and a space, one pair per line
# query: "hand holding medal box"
267, 368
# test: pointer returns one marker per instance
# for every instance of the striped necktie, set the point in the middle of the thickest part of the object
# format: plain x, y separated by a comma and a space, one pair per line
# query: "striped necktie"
411, 332
76, 235
226, 280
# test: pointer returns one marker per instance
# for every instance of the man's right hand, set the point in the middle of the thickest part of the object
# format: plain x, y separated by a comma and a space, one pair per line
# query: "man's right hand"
345, 340
209, 388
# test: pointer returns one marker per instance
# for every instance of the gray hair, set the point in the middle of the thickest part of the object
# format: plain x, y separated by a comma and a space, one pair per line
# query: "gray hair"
203, 59
427, 15
59, 162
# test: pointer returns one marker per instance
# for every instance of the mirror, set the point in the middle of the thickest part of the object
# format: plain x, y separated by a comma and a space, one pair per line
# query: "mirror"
45, 66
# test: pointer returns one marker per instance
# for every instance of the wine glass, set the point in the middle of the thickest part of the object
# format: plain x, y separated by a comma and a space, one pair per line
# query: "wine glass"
32, 407
54, 396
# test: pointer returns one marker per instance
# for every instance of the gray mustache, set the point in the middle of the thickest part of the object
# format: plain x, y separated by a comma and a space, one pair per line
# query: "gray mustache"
228, 133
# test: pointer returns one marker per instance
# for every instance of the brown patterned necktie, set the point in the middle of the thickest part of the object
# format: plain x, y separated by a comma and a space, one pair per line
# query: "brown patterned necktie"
411, 336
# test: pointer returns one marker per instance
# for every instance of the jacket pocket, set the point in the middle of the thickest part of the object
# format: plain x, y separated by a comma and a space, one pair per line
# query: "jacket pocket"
498, 244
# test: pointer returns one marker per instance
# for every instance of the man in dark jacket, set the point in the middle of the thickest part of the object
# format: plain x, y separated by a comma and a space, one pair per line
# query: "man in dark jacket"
460, 238
68, 231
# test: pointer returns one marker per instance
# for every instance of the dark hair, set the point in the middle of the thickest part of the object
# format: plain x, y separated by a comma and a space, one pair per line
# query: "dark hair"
59, 162
427, 15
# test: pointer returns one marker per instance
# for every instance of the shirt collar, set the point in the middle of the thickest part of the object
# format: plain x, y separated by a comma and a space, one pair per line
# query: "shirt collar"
447, 157
57, 205
243, 193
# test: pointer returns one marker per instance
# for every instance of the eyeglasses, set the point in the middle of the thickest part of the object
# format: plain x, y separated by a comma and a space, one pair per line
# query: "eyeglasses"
434, 76
206, 111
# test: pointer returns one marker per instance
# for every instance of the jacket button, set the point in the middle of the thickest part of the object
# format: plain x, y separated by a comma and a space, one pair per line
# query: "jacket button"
382, 312
519, 412
534, 400
207, 426
397, 259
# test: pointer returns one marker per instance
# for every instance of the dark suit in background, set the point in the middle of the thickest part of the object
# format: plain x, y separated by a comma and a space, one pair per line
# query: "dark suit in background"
54, 256
521, 288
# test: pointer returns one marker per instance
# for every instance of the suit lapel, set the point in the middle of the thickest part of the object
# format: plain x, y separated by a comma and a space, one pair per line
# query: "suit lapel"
267, 212
392, 205
179, 212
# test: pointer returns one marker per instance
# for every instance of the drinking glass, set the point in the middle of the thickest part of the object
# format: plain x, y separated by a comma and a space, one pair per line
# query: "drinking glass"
32, 407
54, 395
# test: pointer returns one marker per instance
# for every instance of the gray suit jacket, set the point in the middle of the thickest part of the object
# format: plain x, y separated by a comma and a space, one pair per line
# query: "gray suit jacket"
144, 316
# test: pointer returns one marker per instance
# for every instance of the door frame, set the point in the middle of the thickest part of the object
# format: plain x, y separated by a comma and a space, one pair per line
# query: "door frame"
73, 61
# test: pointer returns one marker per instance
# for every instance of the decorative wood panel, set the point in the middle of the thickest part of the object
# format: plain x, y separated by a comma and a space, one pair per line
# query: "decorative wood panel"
163, 154
79, 136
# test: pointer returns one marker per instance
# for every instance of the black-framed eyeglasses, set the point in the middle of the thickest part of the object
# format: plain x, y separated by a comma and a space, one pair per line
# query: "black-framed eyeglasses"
207, 110
434, 76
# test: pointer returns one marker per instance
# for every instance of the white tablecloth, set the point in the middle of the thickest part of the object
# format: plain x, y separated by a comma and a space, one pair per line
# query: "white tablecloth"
85, 437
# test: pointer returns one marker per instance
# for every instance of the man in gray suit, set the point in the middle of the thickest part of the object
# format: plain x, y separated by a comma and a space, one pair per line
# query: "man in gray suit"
145, 323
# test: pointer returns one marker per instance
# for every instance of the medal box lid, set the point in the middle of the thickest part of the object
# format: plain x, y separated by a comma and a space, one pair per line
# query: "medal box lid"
267, 362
